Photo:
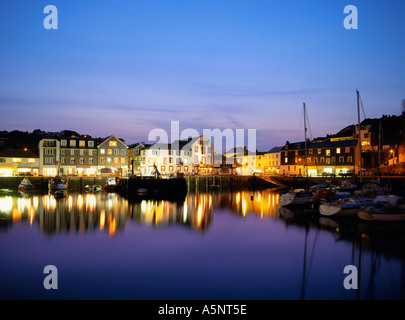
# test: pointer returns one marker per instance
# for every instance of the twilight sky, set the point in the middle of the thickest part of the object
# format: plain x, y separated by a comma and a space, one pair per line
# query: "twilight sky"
127, 67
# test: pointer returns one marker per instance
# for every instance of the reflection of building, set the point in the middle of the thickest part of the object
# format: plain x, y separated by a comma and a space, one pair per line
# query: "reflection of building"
18, 162
272, 161
113, 157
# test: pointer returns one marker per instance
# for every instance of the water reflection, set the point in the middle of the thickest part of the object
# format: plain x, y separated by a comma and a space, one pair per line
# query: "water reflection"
109, 211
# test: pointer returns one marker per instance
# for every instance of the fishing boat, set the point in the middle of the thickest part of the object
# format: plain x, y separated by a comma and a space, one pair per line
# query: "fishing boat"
384, 208
25, 185
58, 183
344, 206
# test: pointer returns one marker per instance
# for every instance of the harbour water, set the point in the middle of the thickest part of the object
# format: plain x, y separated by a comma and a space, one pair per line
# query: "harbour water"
214, 245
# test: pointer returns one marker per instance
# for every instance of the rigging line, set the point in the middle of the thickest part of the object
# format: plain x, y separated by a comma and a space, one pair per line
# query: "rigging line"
309, 126
312, 255
362, 107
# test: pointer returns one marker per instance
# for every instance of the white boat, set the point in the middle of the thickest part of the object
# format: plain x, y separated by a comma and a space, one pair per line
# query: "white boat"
297, 197
384, 208
25, 185
345, 206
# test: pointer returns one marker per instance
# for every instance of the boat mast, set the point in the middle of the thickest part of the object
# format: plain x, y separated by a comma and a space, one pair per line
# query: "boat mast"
305, 129
359, 140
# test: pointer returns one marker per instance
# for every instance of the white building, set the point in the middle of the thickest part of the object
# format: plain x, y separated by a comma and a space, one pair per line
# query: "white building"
191, 156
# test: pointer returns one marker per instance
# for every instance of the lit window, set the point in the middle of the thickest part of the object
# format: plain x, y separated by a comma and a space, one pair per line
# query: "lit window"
109, 160
82, 143
73, 143
337, 150
170, 168
186, 168
347, 149
109, 151
162, 168
112, 143
102, 151
328, 153
31, 160
17, 160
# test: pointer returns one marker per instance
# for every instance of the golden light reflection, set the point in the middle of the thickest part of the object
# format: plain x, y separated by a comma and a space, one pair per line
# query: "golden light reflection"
102, 219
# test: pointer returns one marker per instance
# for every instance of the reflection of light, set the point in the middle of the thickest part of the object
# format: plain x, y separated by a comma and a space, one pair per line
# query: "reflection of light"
112, 226
185, 212
31, 215
16, 215
102, 219
49, 202
80, 202
90, 202
143, 206
35, 201
6, 204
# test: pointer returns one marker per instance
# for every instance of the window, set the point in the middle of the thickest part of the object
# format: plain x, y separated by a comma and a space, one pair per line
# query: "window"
347, 149
164, 160
310, 151
90, 160
112, 143
178, 168
309, 160
31, 160
81, 160
286, 159
81, 152
327, 152
102, 160
322, 160
72, 143
90, 152
62, 152
116, 160
209, 150
296, 152
170, 168
327, 160
109, 160
319, 151
163, 168
72, 152
341, 159
170, 160
63, 143
102, 151
122, 160
17, 160
337, 150
316, 160
195, 149
116, 152
63, 160
90, 143
349, 159
123, 152
186, 168
109, 151
82, 143
72, 160
333, 159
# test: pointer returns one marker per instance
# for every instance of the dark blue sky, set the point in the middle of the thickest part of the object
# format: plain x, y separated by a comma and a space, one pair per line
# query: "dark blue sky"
127, 67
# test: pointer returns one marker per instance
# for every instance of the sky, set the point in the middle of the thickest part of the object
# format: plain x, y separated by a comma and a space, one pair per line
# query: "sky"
130, 66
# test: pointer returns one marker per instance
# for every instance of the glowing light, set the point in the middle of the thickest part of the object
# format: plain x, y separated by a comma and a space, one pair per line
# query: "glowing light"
102, 219
6, 204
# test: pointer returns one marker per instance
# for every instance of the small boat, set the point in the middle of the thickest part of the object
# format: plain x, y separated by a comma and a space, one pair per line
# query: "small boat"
384, 208
58, 183
296, 197
25, 185
142, 192
346, 186
344, 206
110, 185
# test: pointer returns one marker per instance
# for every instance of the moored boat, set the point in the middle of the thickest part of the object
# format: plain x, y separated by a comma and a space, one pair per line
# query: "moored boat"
344, 206
25, 185
296, 197
58, 183
384, 208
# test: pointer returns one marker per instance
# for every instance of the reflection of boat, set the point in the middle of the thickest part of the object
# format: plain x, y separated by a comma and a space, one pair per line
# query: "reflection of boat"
345, 206
58, 183
60, 193
25, 185
384, 208
93, 188
142, 191
296, 197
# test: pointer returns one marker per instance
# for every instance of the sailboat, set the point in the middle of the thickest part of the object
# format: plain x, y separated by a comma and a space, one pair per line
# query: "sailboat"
299, 197
349, 206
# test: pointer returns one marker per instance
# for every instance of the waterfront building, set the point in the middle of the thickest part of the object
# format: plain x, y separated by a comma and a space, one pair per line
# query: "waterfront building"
113, 157
324, 157
135, 158
272, 161
78, 156
190, 156
244, 160
49, 157
15, 162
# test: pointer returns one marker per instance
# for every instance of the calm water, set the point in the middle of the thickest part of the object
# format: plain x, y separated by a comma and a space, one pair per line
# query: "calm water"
211, 246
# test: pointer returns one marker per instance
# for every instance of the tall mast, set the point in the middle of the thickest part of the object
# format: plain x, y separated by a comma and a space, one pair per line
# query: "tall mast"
305, 129
359, 140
